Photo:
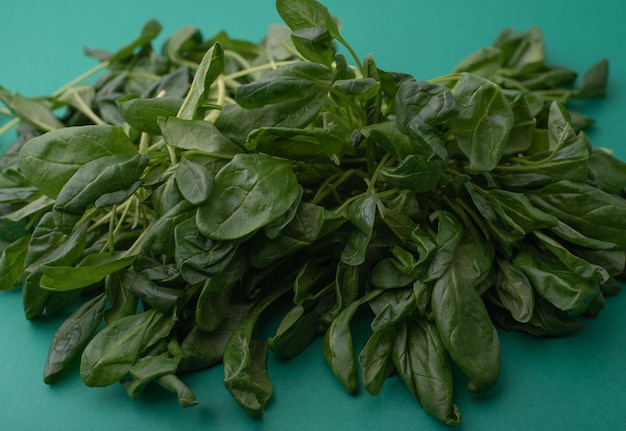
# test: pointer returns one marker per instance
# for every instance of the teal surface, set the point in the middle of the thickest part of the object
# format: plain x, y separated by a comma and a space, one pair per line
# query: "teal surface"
573, 383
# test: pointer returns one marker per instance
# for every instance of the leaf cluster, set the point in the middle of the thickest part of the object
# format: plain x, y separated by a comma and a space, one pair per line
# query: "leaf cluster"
188, 190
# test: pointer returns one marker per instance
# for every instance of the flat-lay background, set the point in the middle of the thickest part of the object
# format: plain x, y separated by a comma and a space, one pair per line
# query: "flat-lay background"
573, 383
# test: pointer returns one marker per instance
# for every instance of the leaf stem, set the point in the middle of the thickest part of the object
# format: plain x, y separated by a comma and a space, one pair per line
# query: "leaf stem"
63, 89
379, 166
173, 157
353, 54
111, 239
80, 102
81, 78
330, 185
450, 77
9, 125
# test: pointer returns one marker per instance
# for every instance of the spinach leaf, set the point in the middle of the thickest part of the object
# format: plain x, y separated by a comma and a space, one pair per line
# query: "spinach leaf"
72, 336
554, 281
362, 214
34, 112
423, 364
483, 123
245, 374
113, 351
313, 145
142, 114
210, 68
196, 135
194, 180
250, 191
590, 211
339, 351
461, 317
375, 359
50, 160
12, 262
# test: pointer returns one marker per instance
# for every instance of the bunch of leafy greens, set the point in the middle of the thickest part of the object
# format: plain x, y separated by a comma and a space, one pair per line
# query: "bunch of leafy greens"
184, 192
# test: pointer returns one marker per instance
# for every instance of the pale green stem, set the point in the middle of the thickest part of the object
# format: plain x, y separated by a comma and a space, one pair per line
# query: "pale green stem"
330, 185
81, 78
238, 57
87, 110
259, 68
172, 153
144, 141
14, 122
381, 164
445, 78
73, 82
111, 239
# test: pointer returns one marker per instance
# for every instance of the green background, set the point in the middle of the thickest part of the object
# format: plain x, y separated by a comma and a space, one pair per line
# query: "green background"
573, 383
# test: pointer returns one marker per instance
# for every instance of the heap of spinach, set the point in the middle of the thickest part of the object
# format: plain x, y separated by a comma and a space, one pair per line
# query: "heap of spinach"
185, 191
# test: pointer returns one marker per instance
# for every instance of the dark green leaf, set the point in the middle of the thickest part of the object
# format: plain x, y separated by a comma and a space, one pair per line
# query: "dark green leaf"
94, 179
521, 135
245, 374
387, 135
162, 298
113, 351
32, 111
523, 52
150, 30
484, 62
436, 258
416, 172
362, 215
376, 360
142, 114
50, 160
204, 349
295, 332
211, 66
606, 171
315, 44
72, 336
236, 123
250, 191
339, 351
555, 282
363, 88
147, 369
295, 81
299, 14
194, 180
574, 263
178, 45
422, 104
12, 262
197, 256
197, 135
423, 364
483, 123
590, 211
515, 292
462, 319
391, 307
518, 212
172, 383
386, 275
594, 81
92, 269
308, 145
